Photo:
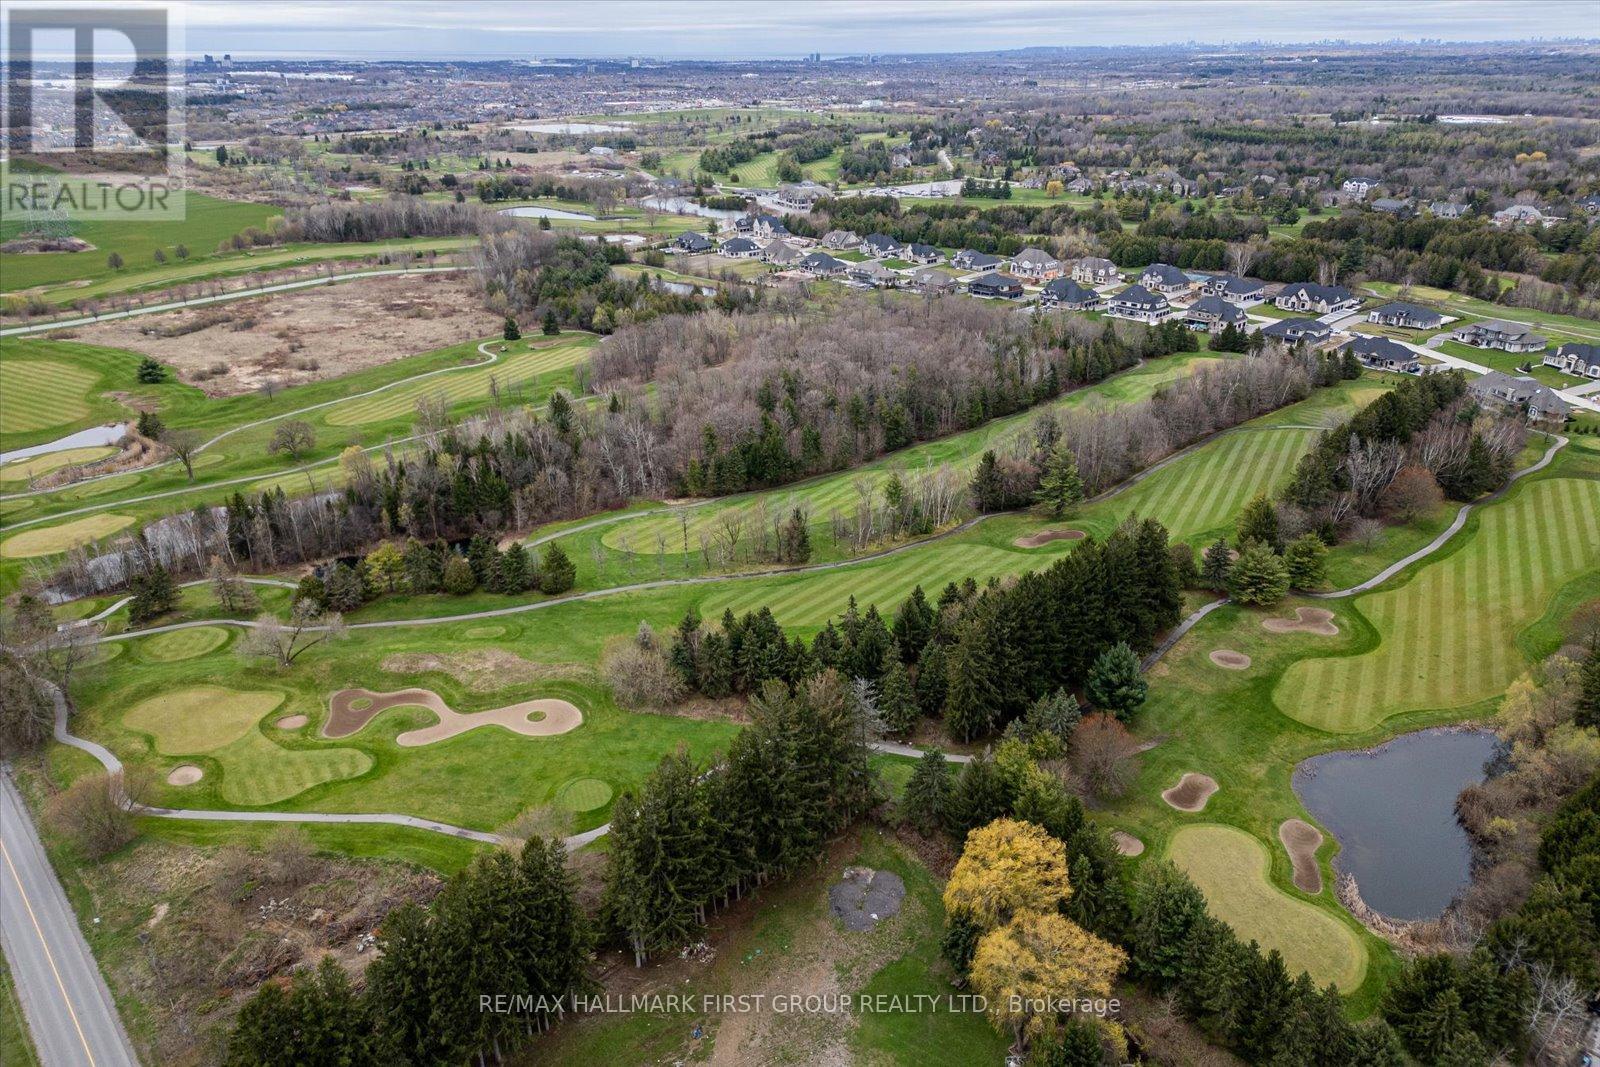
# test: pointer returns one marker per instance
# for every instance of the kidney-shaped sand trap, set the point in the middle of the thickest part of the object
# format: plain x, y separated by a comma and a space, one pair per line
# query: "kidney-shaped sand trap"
291, 722
1044, 537
1302, 841
1317, 621
1230, 660
187, 774
1126, 843
351, 709
1191, 792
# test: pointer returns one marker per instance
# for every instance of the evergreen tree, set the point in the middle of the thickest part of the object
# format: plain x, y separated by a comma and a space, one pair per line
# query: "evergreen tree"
424, 569
1184, 570
1588, 709
1054, 714
1115, 682
972, 691
1259, 522
897, 703
511, 332
515, 575
1077, 1044
346, 590
1060, 486
685, 654
1167, 908
551, 326
979, 798
988, 489
1303, 558
926, 801
154, 594
1264, 996
557, 573
1475, 476
1217, 566
932, 678
716, 665
913, 625
1258, 577
457, 578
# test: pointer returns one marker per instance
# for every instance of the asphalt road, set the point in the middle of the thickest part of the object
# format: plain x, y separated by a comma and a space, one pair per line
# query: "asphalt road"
68, 1007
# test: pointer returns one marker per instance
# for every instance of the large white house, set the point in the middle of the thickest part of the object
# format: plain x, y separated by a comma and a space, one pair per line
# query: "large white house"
1140, 304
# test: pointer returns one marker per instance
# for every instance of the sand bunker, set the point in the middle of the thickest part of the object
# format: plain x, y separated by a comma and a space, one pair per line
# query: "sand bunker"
1044, 537
351, 709
1230, 660
1126, 843
187, 774
1317, 621
1191, 792
291, 722
1302, 840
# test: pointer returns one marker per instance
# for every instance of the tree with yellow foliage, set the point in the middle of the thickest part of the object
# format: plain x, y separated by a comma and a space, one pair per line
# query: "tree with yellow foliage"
1053, 188
1007, 867
1038, 966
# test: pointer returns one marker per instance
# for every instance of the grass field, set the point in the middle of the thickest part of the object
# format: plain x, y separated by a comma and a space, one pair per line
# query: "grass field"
16, 1047
1446, 636
204, 718
23, 470
183, 644
1230, 867
48, 540
207, 222
42, 395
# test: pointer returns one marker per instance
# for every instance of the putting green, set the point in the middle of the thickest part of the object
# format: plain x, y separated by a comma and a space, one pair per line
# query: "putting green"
583, 794
48, 540
183, 644
100, 487
257, 771
20, 470
1231, 867
36, 394
1448, 634
199, 719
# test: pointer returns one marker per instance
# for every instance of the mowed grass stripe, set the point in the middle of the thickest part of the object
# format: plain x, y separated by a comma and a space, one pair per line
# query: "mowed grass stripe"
1447, 637
37, 394
509, 371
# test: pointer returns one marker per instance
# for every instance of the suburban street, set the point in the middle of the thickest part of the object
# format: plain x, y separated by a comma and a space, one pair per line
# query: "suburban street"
68, 1007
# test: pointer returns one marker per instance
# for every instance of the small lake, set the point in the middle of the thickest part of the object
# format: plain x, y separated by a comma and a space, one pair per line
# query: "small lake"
682, 205
570, 127
536, 211
1393, 810
93, 436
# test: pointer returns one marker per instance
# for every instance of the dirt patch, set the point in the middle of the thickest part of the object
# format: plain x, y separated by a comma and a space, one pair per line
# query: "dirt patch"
1126, 843
1191, 793
482, 670
1302, 840
291, 722
187, 774
1317, 621
1230, 660
866, 897
306, 334
1044, 537
351, 709
29, 244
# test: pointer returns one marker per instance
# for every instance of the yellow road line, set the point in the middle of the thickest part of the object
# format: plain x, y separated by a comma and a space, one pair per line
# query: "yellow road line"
47, 954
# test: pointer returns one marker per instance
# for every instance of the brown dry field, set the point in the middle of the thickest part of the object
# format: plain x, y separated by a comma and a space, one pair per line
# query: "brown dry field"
305, 335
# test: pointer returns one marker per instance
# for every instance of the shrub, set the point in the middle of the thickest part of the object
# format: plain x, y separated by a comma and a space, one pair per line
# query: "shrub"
639, 674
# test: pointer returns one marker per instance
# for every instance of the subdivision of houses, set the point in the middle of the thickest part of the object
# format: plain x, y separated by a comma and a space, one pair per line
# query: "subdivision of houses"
1389, 205
1573, 358
1540, 402
1321, 299
995, 286
1213, 314
1524, 215
740, 248
1245, 292
1359, 186
971, 260
1095, 272
1406, 316
1067, 295
1140, 304
871, 274
879, 246
1449, 209
840, 240
822, 265
781, 253
921, 253
1036, 265
1381, 353
1496, 333
1164, 278
931, 282
692, 243
1297, 331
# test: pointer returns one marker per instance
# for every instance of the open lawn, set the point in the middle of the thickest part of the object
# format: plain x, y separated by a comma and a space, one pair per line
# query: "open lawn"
48, 540
1230, 867
24, 470
16, 1046
42, 395
1445, 636
1545, 322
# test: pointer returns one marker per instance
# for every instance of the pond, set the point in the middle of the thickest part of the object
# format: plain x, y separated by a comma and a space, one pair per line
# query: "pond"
1393, 810
682, 205
90, 438
570, 127
538, 211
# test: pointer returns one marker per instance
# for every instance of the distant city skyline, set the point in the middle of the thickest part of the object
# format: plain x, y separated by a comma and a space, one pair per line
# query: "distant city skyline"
763, 29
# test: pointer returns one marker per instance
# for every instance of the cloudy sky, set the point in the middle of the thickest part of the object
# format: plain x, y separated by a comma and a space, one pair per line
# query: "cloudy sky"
722, 29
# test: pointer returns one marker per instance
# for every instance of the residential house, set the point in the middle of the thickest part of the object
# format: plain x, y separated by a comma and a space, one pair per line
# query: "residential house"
740, 248
1245, 292
1591, 204
1381, 353
765, 226
1322, 299
1095, 272
1359, 186
692, 243
1139, 304
871, 274
1582, 360
1068, 295
1506, 336
1297, 331
1081, 186
822, 265
781, 253
1164, 278
1036, 265
1540, 402
1524, 215
1213, 314
920, 253
880, 246
1449, 209
931, 282
840, 240
996, 286
1388, 205
970, 260
801, 196
1407, 316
